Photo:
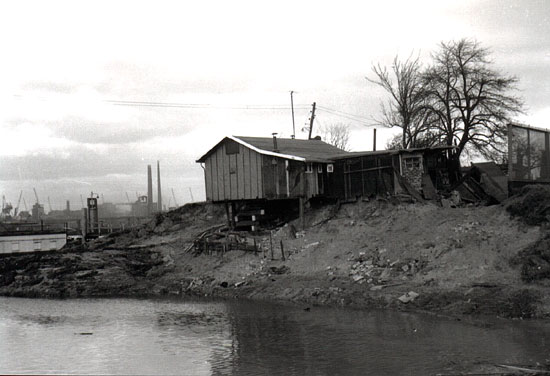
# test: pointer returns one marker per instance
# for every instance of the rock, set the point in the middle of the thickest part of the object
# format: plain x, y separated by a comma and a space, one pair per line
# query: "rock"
279, 270
311, 245
357, 277
377, 287
408, 297
455, 198
446, 203
224, 284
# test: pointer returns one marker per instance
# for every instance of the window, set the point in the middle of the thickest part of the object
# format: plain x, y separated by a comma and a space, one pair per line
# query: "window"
53, 244
309, 168
320, 169
15, 246
231, 147
412, 162
37, 245
330, 167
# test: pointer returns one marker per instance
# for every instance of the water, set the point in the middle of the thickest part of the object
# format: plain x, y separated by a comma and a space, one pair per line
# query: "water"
127, 336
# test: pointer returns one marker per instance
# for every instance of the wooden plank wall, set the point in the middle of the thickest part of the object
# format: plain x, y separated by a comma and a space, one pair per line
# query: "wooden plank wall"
233, 176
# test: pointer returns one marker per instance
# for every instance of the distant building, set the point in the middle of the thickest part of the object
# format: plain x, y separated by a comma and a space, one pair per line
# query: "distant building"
21, 242
37, 212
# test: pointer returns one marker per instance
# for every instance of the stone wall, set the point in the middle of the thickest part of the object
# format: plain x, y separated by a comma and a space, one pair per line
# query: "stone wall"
412, 168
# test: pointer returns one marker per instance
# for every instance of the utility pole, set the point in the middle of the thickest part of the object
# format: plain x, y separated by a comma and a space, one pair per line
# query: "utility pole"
292, 107
374, 139
191, 193
311, 120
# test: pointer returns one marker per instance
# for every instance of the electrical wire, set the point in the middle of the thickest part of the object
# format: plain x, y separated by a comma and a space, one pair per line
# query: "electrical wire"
205, 105
358, 117
362, 122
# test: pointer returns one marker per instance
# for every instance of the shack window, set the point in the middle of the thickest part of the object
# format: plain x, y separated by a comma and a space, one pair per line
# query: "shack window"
309, 168
231, 147
412, 162
320, 169
37, 245
330, 167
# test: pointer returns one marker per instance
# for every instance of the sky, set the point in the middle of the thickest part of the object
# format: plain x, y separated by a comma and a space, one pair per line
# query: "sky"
93, 92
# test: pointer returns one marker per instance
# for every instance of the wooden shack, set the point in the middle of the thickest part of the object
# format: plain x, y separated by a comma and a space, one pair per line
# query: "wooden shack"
252, 168
371, 173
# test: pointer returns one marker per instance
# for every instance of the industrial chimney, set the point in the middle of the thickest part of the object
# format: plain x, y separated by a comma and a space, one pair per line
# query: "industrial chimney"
149, 190
159, 192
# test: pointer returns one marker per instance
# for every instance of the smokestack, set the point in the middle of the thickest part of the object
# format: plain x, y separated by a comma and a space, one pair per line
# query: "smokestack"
159, 192
275, 142
68, 206
149, 190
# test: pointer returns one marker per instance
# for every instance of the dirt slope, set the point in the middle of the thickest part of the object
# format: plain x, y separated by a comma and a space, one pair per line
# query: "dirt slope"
367, 254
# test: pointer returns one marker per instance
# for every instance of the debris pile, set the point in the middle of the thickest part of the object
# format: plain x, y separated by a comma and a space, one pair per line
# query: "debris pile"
531, 204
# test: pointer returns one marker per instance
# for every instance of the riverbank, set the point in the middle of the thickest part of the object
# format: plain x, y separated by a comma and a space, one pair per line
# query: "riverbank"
466, 260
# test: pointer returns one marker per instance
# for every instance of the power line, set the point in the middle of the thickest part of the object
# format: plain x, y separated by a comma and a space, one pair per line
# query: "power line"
363, 122
205, 105
359, 117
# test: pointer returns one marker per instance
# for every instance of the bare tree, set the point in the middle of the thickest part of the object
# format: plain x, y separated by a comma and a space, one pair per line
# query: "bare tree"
470, 100
406, 107
337, 135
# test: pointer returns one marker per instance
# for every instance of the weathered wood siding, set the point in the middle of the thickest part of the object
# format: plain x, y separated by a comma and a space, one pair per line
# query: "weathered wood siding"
236, 176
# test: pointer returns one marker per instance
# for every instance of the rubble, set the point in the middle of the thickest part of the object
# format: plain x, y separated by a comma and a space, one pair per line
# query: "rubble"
408, 297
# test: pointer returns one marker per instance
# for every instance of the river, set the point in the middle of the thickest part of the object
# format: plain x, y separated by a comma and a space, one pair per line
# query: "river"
174, 337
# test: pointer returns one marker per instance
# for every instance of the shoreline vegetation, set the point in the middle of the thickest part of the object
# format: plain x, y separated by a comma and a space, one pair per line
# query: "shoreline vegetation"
469, 260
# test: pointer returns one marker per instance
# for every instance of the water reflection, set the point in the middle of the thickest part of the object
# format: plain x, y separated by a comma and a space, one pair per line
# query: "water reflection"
215, 338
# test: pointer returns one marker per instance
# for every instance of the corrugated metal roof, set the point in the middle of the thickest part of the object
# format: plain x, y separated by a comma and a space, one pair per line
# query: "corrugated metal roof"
302, 150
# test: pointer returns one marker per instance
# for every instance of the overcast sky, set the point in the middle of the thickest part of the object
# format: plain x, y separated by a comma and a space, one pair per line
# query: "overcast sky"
65, 66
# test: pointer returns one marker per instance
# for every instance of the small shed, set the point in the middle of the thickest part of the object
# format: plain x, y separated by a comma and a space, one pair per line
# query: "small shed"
249, 168
370, 173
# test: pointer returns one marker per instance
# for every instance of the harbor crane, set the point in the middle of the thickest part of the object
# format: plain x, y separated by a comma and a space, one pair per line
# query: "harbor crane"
36, 195
18, 203
173, 195
49, 203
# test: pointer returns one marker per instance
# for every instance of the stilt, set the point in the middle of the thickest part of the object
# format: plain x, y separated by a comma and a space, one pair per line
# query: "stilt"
227, 214
302, 219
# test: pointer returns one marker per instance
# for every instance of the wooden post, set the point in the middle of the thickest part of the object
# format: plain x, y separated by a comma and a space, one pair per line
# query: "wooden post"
271, 245
233, 213
374, 139
282, 250
302, 218
227, 214
255, 246
311, 120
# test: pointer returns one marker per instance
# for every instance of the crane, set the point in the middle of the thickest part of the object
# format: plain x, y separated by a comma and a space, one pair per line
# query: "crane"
49, 203
36, 195
25, 203
128, 198
173, 195
18, 203
82, 201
